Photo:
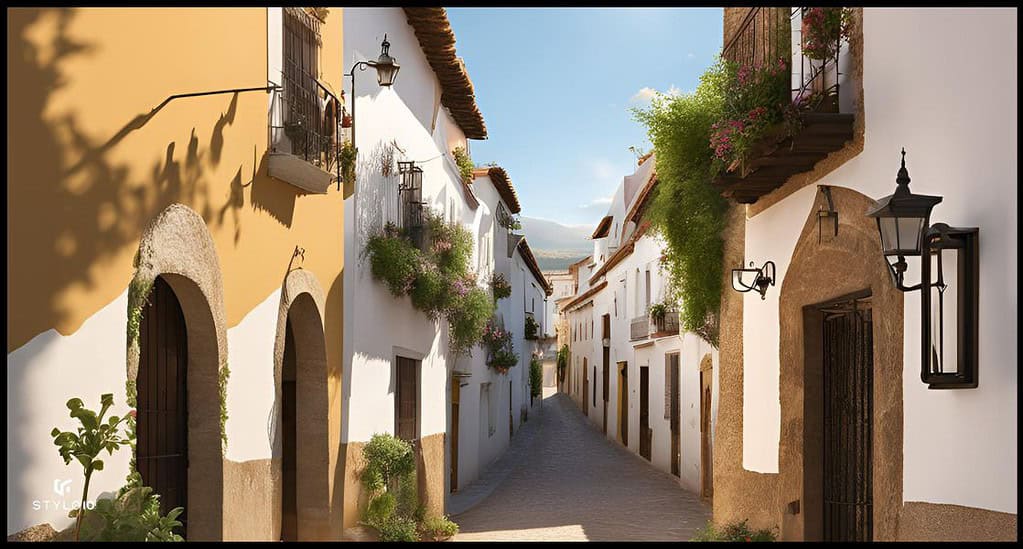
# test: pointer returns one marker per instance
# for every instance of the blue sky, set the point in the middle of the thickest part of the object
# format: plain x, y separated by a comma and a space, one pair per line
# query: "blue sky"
555, 87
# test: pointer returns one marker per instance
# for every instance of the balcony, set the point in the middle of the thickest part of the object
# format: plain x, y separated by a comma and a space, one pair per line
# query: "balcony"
666, 326
639, 328
764, 35
306, 132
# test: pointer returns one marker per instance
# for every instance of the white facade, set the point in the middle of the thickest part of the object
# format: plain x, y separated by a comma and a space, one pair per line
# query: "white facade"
631, 284
380, 327
950, 100
491, 404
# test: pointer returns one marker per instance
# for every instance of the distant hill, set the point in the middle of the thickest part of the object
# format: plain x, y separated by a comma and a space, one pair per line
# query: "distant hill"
556, 246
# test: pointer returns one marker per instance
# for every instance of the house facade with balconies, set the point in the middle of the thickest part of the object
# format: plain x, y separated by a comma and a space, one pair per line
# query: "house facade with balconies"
177, 269
850, 400
400, 364
643, 381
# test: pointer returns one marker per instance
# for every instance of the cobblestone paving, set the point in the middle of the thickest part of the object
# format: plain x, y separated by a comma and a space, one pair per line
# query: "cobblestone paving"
576, 485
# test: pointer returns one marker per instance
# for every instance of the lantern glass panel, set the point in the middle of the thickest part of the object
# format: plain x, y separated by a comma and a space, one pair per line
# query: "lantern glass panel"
910, 231
385, 74
900, 235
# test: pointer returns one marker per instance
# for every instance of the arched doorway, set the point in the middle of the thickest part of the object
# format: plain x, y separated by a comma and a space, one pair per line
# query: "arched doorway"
303, 440
161, 448
175, 368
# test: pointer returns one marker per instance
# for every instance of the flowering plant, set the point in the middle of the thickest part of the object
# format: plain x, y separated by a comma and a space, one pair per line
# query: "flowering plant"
499, 286
823, 29
755, 99
500, 349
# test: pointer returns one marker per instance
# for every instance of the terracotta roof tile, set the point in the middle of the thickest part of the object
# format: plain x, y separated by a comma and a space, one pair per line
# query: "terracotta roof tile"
437, 40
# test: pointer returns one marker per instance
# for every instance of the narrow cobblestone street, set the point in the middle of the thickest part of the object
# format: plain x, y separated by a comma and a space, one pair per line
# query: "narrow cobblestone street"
574, 484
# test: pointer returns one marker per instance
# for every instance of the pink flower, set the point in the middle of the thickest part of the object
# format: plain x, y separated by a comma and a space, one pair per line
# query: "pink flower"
131, 413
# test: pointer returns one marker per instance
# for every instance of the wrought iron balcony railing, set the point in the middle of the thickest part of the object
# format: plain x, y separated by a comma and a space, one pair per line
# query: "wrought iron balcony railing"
306, 120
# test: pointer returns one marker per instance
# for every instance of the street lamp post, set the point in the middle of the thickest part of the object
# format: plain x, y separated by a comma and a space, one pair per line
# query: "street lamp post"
387, 69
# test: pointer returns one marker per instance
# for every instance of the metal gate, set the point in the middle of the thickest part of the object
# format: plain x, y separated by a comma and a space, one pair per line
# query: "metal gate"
410, 201
848, 419
161, 446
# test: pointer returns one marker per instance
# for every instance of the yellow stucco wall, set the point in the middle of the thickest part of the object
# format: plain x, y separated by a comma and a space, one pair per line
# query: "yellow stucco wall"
91, 165
89, 168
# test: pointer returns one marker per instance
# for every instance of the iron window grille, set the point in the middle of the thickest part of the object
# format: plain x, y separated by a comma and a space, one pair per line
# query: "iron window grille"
305, 117
411, 207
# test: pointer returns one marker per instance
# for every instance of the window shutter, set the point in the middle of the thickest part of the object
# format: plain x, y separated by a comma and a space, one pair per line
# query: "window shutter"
667, 386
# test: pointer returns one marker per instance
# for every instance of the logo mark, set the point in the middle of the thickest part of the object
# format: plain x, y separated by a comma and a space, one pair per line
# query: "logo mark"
61, 486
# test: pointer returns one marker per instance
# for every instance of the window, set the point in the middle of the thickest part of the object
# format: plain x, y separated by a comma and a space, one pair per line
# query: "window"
407, 399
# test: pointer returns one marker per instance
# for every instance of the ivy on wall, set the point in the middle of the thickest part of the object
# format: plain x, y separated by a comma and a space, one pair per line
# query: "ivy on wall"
139, 290
685, 209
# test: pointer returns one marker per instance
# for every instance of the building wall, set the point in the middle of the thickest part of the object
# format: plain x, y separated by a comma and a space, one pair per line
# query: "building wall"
94, 157
408, 116
902, 104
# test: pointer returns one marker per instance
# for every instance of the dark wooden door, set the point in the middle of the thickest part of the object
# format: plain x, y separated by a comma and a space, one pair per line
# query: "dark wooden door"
606, 378
645, 433
289, 505
456, 392
161, 448
676, 416
511, 418
623, 403
706, 449
407, 400
848, 419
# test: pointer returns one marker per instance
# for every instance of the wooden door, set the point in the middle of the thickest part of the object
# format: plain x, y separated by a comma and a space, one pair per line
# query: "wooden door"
161, 449
289, 505
606, 379
586, 388
456, 393
511, 418
407, 400
848, 423
706, 446
623, 402
676, 415
645, 433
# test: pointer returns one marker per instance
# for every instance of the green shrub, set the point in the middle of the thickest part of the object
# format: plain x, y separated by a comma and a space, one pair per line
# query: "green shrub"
464, 163
500, 348
562, 361
399, 528
387, 459
450, 245
430, 292
468, 318
735, 531
133, 516
439, 528
394, 260
535, 377
380, 509
531, 328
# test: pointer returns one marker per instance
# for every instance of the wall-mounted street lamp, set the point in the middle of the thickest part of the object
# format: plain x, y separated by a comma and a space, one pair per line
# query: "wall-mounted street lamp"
387, 70
903, 224
759, 279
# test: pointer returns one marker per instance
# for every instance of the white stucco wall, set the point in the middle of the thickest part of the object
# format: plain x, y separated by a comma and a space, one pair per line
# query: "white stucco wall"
950, 127
42, 376
381, 327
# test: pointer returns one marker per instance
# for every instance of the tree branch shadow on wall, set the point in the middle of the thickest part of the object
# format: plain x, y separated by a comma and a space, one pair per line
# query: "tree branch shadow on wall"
94, 206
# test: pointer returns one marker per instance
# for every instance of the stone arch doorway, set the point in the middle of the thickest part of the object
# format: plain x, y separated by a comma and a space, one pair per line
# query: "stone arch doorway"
177, 297
301, 442
822, 272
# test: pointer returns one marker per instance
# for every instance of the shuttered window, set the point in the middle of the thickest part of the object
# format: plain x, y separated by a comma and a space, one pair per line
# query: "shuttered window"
407, 421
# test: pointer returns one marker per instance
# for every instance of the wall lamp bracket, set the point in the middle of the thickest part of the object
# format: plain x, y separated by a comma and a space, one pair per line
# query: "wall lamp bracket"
762, 278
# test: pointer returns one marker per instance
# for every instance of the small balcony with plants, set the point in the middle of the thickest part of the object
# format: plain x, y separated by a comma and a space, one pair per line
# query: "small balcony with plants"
663, 320
783, 110
309, 145
532, 328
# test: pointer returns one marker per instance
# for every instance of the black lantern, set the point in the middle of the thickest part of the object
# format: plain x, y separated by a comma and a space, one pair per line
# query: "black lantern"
387, 70
902, 221
386, 66
760, 278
